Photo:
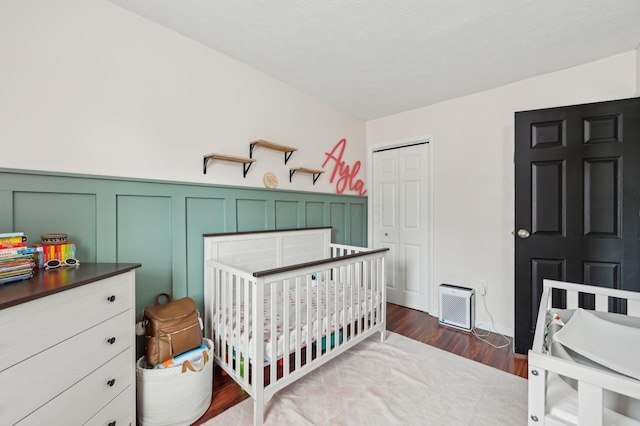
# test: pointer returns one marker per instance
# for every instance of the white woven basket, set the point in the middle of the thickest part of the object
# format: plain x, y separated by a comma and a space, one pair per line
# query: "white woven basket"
171, 397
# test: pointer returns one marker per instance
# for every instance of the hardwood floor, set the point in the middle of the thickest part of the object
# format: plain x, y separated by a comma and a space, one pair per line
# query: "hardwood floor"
411, 323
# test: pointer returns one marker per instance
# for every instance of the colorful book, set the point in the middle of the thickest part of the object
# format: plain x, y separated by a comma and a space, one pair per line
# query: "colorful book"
19, 250
25, 276
13, 240
13, 245
11, 234
16, 261
6, 269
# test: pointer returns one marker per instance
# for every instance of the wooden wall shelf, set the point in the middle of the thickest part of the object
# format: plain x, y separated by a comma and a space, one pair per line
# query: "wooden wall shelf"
287, 150
271, 145
315, 172
245, 161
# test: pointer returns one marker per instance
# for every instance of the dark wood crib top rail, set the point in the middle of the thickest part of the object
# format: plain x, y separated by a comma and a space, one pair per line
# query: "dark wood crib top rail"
273, 271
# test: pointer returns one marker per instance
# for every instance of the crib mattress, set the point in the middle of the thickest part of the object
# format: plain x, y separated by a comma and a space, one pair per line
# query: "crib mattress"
321, 300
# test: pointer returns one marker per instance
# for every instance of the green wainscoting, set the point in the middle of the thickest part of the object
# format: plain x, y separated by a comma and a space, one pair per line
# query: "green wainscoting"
160, 224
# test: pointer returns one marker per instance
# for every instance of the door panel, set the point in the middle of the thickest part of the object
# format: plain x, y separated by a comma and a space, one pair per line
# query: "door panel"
391, 276
547, 196
602, 197
577, 186
389, 197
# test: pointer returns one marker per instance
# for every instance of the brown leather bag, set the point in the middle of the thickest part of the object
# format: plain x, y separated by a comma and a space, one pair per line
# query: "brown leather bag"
171, 328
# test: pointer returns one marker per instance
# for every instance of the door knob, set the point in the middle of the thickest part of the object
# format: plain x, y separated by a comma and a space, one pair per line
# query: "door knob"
523, 233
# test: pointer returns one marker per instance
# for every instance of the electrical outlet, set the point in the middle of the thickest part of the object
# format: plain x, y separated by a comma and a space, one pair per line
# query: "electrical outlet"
482, 287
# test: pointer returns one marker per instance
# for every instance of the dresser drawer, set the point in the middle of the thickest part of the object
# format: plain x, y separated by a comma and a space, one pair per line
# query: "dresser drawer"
90, 395
39, 379
119, 412
34, 326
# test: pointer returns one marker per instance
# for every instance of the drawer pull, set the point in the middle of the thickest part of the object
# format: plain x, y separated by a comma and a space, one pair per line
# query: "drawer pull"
113, 423
111, 298
111, 382
111, 340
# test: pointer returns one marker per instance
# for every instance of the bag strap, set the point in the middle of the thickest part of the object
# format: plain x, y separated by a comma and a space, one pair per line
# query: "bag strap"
189, 366
167, 295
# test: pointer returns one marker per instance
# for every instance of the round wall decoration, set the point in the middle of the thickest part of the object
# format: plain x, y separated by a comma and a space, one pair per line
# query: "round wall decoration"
270, 180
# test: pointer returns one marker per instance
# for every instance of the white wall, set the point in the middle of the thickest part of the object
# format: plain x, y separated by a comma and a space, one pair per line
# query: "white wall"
474, 172
88, 87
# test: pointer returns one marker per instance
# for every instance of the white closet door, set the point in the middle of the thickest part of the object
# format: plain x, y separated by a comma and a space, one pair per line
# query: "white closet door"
400, 221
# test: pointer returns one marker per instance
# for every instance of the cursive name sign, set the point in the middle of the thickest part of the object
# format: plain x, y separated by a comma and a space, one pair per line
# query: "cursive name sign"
346, 175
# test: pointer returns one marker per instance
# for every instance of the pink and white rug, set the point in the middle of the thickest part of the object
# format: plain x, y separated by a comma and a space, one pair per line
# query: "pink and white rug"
398, 382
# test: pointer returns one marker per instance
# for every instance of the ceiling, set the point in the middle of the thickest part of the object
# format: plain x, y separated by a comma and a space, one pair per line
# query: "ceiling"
374, 58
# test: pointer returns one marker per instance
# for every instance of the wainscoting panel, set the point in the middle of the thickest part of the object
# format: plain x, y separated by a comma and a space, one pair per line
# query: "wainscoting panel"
357, 227
204, 215
314, 214
144, 236
286, 214
160, 224
338, 220
252, 215
46, 213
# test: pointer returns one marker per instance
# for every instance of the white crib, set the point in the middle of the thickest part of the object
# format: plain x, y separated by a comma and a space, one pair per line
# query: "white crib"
568, 387
283, 287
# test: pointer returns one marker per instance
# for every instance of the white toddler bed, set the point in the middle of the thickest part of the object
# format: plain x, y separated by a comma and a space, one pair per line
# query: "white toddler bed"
326, 296
584, 366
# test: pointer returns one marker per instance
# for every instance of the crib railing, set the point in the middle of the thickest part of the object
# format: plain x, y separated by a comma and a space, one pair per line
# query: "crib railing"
265, 358
338, 250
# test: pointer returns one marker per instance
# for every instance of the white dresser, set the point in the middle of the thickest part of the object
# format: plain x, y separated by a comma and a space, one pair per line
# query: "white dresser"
67, 347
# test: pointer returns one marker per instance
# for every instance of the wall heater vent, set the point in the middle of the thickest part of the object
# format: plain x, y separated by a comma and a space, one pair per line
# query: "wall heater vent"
457, 307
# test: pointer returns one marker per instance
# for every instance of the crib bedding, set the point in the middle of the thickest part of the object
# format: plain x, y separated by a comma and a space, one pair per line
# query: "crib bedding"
323, 296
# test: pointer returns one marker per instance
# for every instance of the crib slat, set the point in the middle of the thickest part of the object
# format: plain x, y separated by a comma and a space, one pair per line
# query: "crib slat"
285, 327
335, 319
215, 329
372, 278
246, 327
235, 286
298, 322
633, 308
602, 303
572, 299
273, 333
327, 318
375, 271
257, 304
309, 321
365, 310
361, 294
228, 316
590, 404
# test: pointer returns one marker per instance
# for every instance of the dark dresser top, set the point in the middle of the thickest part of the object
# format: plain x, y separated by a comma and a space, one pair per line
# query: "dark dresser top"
47, 282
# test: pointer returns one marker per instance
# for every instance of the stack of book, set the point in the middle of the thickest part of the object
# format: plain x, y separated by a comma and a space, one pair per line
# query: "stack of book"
16, 259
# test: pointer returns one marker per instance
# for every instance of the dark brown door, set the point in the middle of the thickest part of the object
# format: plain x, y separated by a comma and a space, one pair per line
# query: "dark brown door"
577, 203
